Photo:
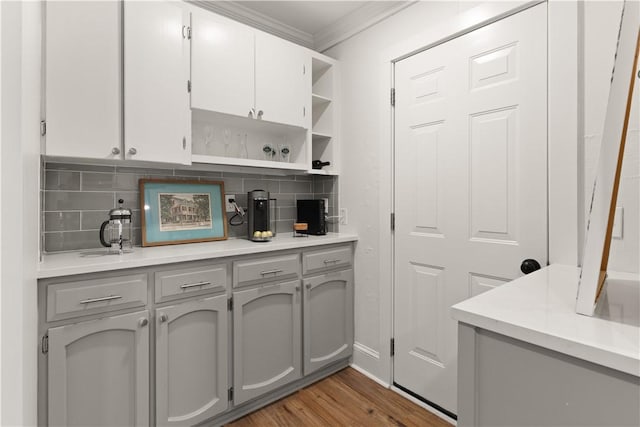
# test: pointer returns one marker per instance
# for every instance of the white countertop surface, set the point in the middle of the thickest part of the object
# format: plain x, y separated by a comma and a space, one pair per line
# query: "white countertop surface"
96, 260
540, 309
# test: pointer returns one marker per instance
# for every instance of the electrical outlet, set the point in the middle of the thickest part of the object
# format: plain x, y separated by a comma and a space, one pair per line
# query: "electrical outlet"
227, 202
343, 216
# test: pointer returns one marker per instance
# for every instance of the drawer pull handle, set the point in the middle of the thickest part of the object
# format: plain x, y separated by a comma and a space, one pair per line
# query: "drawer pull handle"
331, 261
191, 285
264, 273
109, 298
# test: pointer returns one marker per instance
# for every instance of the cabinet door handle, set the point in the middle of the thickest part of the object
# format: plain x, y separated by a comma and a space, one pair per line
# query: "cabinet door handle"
133, 151
331, 261
308, 285
143, 322
109, 298
264, 273
163, 318
297, 288
115, 151
191, 285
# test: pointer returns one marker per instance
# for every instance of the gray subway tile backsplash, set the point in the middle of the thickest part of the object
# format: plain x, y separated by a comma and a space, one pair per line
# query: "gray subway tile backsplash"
77, 198
62, 180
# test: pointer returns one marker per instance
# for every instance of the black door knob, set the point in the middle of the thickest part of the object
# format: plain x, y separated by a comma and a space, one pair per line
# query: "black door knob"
529, 266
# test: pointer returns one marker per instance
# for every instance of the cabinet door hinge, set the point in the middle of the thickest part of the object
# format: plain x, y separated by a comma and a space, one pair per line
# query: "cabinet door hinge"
189, 33
393, 346
43, 127
304, 69
44, 344
230, 303
189, 86
393, 97
184, 142
393, 221
230, 393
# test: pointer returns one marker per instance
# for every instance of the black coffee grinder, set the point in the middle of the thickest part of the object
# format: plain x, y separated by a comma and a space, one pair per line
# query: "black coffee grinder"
259, 221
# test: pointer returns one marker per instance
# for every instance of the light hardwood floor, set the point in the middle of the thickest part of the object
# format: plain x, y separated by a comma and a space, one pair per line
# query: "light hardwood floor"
346, 398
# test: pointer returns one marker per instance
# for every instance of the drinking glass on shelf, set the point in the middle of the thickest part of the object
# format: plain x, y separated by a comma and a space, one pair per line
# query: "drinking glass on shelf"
269, 151
227, 141
209, 134
244, 152
284, 151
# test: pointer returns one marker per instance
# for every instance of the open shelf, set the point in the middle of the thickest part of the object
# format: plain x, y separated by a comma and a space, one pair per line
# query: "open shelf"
317, 100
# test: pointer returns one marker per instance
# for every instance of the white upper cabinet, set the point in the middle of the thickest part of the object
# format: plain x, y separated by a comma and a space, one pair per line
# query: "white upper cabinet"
223, 64
157, 124
83, 80
247, 73
283, 81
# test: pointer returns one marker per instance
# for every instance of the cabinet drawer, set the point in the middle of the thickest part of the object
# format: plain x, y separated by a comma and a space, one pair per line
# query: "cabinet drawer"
93, 296
314, 261
265, 269
173, 284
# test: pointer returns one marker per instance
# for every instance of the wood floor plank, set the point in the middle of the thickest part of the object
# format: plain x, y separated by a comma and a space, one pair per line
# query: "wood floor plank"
346, 398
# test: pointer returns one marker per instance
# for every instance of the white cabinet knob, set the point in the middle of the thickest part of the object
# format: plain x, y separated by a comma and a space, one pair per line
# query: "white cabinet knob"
133, 151
115, 151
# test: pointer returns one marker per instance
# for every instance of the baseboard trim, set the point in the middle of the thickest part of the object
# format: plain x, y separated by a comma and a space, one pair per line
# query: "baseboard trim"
368, 351
370, 375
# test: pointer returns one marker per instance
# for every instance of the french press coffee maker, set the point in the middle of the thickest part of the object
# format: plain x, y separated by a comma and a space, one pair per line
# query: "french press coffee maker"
115, 233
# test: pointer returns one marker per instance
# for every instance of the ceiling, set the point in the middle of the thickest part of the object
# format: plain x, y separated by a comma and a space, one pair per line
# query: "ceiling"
317, 24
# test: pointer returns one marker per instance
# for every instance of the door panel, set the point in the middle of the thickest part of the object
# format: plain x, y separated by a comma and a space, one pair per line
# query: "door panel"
191, 361
470, 186
222, 65
266, 339
156, 70
98, 372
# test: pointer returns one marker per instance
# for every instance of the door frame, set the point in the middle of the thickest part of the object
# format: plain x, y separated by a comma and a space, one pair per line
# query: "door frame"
563, 142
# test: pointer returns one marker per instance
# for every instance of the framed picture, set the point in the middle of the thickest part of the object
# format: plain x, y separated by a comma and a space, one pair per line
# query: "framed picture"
177, 211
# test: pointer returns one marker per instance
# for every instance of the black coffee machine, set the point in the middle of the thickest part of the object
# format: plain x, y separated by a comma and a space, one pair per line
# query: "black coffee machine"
259, 220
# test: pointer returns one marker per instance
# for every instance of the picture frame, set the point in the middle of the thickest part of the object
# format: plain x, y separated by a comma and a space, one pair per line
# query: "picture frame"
181, 211
593, 273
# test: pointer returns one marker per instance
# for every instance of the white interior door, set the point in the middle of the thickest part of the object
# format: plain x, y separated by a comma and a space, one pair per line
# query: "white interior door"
470, 186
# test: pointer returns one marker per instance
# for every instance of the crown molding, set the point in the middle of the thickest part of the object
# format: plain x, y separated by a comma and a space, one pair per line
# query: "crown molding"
356, 22
243, 14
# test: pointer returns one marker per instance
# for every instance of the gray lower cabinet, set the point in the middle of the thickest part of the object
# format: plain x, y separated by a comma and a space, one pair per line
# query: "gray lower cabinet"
191, 361
266, 338
328, 319
98, 372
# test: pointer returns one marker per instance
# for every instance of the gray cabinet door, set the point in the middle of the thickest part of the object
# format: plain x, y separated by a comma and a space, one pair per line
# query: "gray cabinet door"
191, 361
98, 372
266, 339
328, 319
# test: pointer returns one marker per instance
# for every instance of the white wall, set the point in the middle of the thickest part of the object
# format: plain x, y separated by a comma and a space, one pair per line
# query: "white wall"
19, 200
601, 21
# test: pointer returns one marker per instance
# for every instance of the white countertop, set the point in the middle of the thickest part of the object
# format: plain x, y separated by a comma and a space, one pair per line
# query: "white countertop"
540, 309
96, 260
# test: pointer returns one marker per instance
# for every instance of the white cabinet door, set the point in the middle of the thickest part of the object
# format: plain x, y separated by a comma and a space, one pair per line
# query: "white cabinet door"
328, 319
157, 124
222, 66
191, 361
83, 79
266, 339
471, 142
98, 372
283, 81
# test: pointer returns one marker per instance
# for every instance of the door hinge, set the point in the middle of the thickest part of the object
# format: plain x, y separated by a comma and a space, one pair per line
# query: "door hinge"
393, 221
43, 127
44, 344
393, 97
230, 393
189, 33
189, 86
304, 69
230, 303
393, 346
